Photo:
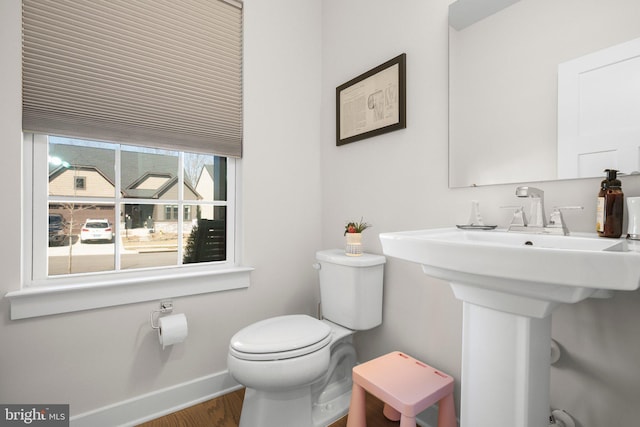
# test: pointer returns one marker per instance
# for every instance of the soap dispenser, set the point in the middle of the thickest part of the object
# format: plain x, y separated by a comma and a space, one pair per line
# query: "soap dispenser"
610, 206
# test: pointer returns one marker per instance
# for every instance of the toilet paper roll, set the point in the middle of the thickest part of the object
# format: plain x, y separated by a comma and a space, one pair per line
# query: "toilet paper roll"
172, 329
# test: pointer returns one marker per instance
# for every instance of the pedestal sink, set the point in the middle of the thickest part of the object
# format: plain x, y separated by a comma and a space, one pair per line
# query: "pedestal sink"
509, 284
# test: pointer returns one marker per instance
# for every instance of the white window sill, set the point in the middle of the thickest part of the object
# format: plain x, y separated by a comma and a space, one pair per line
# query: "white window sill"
123, 288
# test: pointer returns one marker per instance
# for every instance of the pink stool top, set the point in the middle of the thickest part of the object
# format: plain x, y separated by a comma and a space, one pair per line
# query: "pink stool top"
403, 382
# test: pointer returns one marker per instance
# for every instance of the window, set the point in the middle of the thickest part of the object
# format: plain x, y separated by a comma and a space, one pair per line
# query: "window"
170, 212
99, 250
122, 213
151, 207
80, 183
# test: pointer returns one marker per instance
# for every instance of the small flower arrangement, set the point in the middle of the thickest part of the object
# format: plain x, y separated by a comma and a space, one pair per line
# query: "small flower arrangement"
356, 227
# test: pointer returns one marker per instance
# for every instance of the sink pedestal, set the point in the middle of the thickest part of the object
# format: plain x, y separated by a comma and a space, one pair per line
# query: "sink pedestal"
506, 358
505, 369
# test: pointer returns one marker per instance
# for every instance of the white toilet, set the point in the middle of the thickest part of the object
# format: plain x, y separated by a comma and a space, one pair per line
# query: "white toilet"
297, 369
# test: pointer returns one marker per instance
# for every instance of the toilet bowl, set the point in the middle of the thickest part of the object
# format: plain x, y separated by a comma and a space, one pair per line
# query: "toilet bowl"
297, 369
280, 353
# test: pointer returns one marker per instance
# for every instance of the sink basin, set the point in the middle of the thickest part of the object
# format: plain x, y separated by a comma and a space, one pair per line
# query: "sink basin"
554, 268
510, 284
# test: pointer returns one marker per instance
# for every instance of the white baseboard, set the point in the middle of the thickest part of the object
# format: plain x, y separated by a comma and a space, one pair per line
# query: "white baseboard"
158, 403
146, 407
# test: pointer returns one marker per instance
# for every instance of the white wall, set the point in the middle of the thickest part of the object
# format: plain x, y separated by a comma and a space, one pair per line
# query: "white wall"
99, 357
398, 181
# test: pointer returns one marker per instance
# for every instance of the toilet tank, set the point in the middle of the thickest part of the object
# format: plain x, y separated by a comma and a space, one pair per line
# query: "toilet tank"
351, 288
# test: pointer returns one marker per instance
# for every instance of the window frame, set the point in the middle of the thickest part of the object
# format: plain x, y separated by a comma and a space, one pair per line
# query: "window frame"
82, 180
40, 296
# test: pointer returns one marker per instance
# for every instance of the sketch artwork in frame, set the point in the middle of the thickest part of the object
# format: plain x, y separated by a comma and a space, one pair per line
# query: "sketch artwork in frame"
372, 103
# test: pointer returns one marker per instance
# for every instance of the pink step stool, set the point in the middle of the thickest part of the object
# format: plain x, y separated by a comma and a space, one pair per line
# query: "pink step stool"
406, 386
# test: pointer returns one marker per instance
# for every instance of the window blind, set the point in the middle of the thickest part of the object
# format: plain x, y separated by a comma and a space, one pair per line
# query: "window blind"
166, 73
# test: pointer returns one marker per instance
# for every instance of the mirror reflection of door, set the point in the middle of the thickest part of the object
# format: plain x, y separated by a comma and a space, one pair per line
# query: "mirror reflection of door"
599, 112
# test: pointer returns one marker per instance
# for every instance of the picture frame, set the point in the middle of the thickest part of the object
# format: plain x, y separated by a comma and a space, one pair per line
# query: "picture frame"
373, 103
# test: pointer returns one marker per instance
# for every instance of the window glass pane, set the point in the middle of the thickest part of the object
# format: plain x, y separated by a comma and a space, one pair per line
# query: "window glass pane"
148, 173
80, 238
207, 239
149, 238
205, 176
157, 224
86, 170
80, 183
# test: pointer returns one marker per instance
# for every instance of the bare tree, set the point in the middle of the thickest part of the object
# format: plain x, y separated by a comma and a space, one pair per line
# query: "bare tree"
193, 165
71, 209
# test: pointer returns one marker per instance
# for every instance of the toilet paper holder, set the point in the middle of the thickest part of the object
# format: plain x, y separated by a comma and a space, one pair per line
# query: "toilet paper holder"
165, 307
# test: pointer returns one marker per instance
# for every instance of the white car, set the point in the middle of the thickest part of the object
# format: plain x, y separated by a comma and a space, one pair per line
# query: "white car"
96, 229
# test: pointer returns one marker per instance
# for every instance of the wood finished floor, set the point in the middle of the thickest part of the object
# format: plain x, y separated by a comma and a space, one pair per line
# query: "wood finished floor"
224, 411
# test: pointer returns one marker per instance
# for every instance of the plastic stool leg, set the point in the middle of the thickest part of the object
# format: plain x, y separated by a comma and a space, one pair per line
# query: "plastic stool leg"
357, 412
407, 421
391, 413
447, 412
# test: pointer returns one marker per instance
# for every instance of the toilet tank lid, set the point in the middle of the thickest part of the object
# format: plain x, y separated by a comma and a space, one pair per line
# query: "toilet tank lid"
337, 256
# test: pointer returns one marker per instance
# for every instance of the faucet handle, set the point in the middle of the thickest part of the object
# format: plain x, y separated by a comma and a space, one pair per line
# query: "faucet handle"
519, 218
557, 221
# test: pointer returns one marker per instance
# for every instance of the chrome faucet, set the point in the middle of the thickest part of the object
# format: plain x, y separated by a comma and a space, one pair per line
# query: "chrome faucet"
536, 214
536, 222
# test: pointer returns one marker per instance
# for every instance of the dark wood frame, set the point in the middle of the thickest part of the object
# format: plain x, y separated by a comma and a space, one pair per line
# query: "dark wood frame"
400, 60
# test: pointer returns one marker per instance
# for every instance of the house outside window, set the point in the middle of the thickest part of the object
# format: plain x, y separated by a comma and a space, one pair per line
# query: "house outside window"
141, 192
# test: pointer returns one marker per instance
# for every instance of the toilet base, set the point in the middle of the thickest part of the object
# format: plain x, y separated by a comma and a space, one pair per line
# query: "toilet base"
332, 394
326, 413
269, 409
276, 409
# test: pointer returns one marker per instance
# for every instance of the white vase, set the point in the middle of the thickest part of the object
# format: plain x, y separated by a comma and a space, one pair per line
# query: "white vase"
353, 245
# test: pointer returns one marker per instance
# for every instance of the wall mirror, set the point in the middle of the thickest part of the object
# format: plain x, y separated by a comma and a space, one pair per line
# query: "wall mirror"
504, 57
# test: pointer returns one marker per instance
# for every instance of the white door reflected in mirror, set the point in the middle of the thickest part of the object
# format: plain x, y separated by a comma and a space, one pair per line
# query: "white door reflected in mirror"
598, 111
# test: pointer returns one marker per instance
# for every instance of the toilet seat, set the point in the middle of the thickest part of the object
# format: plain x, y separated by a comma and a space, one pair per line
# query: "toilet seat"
281, 337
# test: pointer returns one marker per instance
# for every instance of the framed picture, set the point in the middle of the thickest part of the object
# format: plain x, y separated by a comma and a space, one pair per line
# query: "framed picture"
372, 103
